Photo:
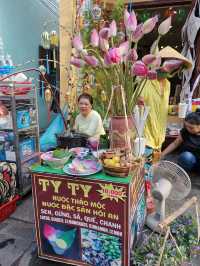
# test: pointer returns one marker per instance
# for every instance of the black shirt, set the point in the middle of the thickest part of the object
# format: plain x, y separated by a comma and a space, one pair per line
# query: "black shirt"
191, 142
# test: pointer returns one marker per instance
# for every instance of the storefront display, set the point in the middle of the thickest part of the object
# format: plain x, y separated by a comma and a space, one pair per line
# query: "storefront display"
90, 220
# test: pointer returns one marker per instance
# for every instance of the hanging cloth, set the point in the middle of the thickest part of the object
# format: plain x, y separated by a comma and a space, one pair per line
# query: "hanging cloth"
189, 34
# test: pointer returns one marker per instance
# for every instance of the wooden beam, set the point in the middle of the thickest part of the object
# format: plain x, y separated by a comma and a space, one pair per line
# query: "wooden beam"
67, 10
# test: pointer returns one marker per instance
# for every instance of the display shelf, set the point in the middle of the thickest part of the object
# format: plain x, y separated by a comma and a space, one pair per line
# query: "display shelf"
21, 134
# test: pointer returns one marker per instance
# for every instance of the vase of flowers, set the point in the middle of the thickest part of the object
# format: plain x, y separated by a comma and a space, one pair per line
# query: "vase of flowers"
113, 59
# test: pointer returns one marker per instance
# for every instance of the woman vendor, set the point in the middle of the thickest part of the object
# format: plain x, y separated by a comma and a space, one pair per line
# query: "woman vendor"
88, 120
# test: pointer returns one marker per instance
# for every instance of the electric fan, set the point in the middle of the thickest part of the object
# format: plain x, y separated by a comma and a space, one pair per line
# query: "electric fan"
169, 180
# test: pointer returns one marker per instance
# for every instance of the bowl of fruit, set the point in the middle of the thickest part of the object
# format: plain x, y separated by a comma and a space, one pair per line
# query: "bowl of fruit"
57, 158
117, 163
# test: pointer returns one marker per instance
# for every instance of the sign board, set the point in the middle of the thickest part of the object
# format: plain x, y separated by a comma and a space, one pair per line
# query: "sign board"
82, 221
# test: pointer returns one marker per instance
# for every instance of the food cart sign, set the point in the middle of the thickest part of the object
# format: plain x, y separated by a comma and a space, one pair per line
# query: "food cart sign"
81, 221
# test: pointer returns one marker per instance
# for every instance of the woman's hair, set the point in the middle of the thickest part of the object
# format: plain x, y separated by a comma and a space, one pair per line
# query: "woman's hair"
193, 118
86, 96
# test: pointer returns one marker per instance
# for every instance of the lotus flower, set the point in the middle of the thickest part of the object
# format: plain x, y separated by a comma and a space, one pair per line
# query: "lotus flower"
91, 60
77, 62
130, 21
77, 43
49, 232
104, 44
94, 39
139, 69
113, 28
104, 33
114, 55
138, 33
165, 26
152, 74
149, 24
171, 65
132, 55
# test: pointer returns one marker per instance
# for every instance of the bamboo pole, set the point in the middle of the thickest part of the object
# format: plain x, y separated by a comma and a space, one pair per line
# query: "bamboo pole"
177, 213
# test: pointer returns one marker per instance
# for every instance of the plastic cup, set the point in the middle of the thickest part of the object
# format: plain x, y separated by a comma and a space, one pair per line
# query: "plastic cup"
182, 110
139, 147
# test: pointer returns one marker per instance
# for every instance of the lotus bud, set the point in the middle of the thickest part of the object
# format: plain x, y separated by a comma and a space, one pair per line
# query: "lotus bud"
113, 28
165, 26
107, 59
77, 43
123, 48
149, 24
130, 21
138, 33
104, 33
91, 60
104, 44
77, 62
152, 60
139, 69
171, 65
115, 55
94, 39
132, 55
148, 59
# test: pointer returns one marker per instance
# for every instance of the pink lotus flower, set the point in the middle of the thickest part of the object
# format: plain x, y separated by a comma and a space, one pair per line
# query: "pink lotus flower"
123, 48
113, 28
130, 21
149, 24
91, 60
114, 55
139, 69
171, 65
94, 38
138, 33
165, 26
152, 74
77, 62
104, 44
77, 43
104, 33
132, 55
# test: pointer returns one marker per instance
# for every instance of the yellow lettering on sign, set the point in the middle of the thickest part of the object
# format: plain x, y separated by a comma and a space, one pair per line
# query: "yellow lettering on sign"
86, 189
44, 183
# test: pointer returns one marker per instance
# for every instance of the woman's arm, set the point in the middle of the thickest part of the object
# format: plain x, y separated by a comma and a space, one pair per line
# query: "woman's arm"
172, 146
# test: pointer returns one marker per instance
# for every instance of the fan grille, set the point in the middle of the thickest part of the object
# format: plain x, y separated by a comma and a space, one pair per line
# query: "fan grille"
181, 184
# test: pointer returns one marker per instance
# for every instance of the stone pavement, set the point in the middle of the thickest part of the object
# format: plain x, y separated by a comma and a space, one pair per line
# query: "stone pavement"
17, 238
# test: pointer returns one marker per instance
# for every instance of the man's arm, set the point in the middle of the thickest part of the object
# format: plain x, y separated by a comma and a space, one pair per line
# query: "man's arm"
172, 146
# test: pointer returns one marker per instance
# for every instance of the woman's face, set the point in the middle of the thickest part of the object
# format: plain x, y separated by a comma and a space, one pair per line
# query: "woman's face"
85, 106
193, 129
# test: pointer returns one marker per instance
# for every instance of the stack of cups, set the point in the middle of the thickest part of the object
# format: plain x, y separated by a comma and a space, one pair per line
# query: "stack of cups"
182, 110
